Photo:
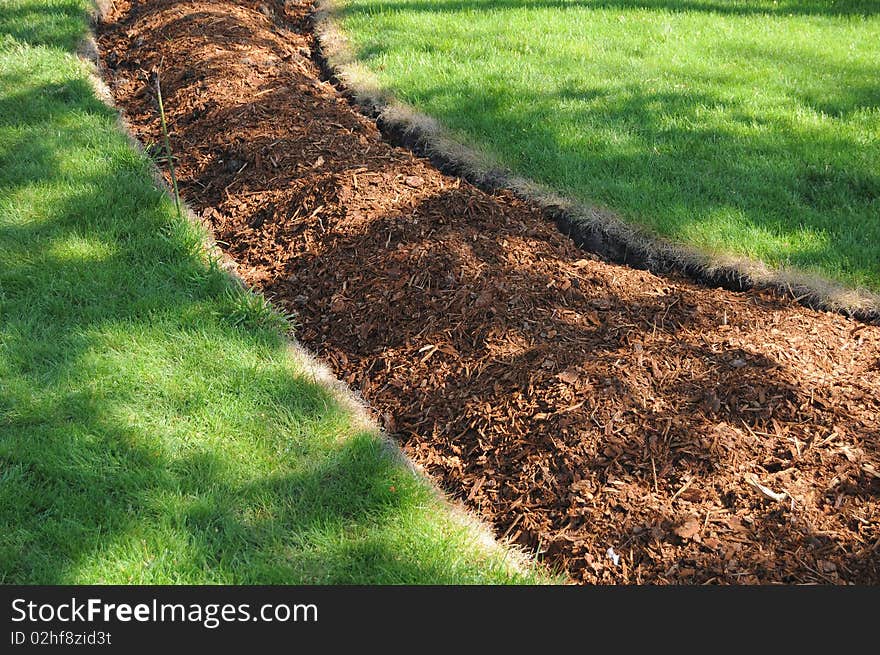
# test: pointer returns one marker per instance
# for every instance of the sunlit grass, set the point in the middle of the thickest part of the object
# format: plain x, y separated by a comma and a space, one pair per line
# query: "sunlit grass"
737, 126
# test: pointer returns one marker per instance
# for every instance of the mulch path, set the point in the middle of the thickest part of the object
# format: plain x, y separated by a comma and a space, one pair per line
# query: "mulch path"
576, 405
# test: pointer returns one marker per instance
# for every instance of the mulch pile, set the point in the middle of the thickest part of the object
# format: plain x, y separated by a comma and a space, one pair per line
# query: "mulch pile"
626, 427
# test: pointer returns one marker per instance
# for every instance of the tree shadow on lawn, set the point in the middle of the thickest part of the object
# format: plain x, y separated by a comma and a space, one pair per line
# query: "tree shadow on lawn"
731, 8
60, 24
117, 384
783, 193
87, 499
828, 86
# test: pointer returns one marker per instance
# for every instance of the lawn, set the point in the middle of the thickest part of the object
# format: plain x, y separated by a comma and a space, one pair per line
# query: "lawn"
736, 126
155, 425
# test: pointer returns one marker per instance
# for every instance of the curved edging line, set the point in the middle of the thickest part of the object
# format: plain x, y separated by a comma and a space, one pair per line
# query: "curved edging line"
593, 229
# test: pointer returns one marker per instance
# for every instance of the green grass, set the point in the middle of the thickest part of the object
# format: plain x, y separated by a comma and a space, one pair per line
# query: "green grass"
746, 127
154, 425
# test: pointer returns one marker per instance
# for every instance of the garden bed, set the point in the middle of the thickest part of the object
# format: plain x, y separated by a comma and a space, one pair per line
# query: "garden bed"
579, 406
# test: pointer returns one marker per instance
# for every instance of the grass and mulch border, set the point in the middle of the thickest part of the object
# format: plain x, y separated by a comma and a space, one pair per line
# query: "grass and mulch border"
596, 229
157, 425
629, 427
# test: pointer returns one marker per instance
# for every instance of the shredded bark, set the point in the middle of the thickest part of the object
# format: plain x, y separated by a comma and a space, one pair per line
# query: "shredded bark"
627, 428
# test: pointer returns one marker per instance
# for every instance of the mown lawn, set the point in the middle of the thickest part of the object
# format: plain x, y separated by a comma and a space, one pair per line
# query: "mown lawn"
154, 425
740, 126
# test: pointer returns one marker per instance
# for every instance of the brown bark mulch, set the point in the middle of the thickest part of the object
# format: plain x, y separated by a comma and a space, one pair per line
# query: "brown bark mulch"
578, 406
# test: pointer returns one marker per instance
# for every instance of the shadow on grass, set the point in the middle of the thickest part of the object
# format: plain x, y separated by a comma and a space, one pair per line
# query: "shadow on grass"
761, 185
142, 437
53, 23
